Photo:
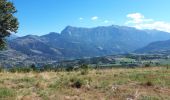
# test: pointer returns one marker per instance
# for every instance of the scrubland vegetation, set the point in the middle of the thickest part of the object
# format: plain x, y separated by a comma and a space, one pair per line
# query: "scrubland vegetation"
149, 83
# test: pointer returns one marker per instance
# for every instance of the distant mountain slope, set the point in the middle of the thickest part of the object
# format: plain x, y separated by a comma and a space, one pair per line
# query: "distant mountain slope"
33, 45
76, 42
11, 37
156, 47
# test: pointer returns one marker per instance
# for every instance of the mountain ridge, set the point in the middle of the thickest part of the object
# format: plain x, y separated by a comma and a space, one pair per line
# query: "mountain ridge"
156, 47
75, 42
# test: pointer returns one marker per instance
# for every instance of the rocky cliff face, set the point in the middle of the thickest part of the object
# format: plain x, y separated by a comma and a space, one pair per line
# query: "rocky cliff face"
75, 42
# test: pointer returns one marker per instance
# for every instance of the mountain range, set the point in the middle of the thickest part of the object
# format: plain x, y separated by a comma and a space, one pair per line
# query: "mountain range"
158, 47
78, 42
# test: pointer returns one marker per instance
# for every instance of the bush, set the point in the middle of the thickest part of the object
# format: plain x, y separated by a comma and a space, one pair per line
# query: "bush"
84, 69
76, 83
167, 67
1, 69
84, 66
48, 68
33, 67
70, 68
147, 65
84, 72
148, 83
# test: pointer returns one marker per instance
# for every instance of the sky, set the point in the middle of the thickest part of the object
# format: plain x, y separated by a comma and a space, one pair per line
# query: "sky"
39, 17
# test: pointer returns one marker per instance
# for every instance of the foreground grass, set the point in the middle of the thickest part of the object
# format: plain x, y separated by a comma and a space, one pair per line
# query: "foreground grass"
107, 84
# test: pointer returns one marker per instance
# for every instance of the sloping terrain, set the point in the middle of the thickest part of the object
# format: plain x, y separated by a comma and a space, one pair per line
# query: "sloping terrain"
156, 47
75, 42
108, 84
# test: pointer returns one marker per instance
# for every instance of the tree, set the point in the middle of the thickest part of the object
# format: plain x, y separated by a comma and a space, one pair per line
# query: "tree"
8, 22
33, 67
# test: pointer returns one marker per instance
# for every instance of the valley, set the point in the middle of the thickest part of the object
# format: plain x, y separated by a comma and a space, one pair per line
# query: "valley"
79, 43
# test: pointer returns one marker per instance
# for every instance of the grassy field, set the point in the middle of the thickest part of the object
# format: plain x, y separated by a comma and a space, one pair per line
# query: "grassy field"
104, 84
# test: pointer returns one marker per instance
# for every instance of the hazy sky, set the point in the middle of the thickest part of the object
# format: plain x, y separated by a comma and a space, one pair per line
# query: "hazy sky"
43, 16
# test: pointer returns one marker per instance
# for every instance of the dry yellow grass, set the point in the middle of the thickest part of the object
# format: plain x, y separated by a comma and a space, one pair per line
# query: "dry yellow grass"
107, 84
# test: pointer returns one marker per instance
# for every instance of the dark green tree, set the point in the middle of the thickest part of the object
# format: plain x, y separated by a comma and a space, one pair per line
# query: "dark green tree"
8, 22
33, 67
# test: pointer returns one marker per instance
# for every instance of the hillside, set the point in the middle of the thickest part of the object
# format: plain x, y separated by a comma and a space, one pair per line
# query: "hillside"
107, 84
156, 47
77, 42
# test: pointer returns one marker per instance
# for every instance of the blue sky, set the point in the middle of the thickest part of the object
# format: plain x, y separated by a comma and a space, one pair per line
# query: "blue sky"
40, 17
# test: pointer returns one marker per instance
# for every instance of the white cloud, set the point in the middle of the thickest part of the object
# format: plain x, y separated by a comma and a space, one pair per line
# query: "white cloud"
81, 18
135, 18
139, 21
95, 18
106, 21
158, 25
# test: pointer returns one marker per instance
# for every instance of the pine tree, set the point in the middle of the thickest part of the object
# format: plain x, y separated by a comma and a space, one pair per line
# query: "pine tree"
8, 22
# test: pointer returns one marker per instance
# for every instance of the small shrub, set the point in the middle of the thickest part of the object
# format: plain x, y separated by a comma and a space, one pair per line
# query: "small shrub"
48, 68
148, 83
84, 72
1, 69
147, 65
33, 67
98, 72
84, 66
167, 67
84, 69
76, 83
70, 68
115, 75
